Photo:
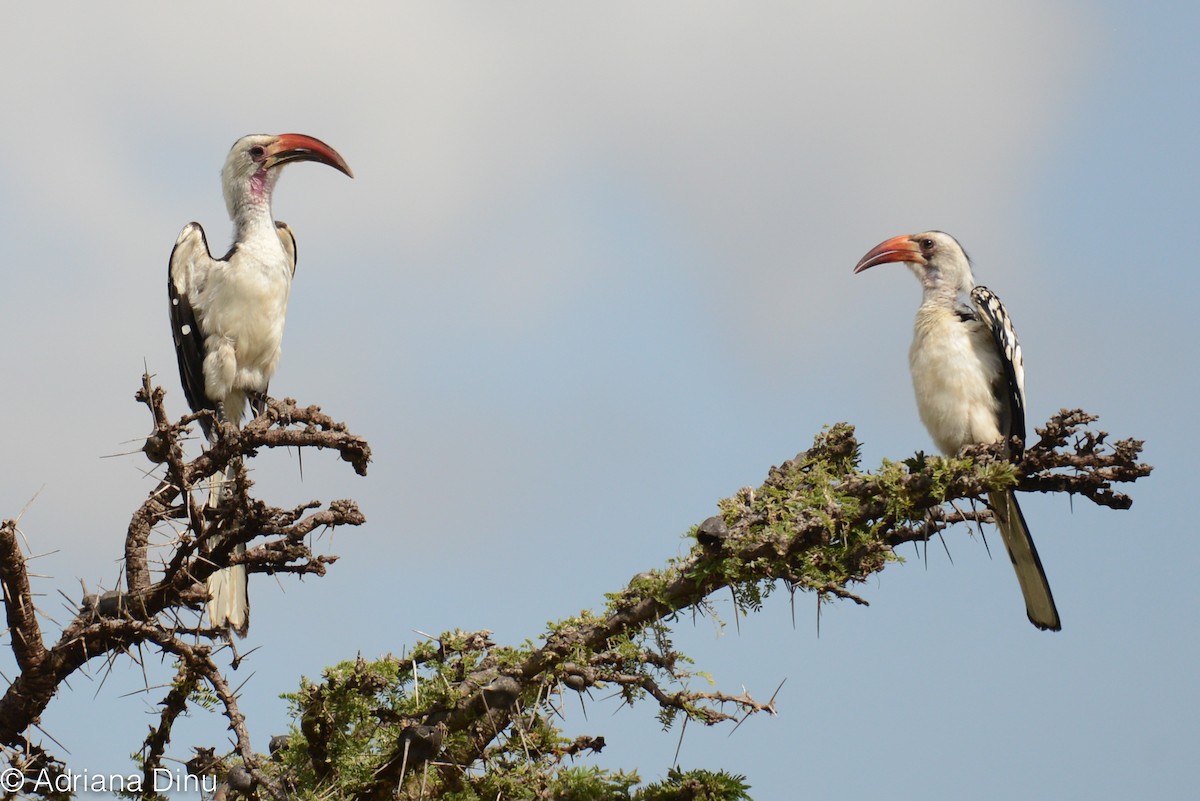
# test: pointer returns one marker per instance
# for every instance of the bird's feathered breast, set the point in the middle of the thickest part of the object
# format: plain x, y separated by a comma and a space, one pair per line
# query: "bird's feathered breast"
240, 300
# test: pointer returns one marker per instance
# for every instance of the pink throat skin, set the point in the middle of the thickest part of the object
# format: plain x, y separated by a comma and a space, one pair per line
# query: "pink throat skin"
260, 185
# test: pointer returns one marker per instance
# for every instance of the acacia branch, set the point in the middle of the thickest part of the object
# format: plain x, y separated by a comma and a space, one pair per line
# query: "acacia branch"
173, 705
27, 645
149, 610
817, 523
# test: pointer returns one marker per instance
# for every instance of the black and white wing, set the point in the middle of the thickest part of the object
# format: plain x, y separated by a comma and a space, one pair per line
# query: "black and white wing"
1011, 386
189, 267
1010, 389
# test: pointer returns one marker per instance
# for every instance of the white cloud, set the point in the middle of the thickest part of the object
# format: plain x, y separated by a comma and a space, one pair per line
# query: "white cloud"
511, 164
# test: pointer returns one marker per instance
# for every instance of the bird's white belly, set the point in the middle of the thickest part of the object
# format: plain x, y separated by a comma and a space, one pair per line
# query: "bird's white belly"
243, 315
952, 379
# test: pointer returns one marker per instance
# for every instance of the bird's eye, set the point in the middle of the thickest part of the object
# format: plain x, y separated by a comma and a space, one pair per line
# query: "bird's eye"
926, 244
258, 152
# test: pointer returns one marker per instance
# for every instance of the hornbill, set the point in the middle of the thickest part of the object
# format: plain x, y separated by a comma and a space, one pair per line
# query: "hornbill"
970, 382
227, 314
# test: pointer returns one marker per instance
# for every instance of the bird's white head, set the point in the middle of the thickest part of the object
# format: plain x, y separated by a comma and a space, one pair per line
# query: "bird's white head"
252, 168
936, 258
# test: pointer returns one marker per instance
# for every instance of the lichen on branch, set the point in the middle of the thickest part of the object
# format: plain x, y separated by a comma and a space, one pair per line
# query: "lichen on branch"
460, 717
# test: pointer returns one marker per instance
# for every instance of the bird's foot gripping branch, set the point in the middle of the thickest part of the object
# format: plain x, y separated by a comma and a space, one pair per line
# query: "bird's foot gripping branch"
240, 518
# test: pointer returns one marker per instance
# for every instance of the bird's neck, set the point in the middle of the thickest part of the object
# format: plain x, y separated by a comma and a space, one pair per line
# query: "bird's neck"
938, 296
252, 220
943, 293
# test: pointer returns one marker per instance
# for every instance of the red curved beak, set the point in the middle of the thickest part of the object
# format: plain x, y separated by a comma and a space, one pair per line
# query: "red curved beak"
898, 248
298, 147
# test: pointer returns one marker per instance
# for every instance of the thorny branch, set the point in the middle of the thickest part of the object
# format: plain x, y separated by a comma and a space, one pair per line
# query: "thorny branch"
27, 643
817, 523
173, 705
149, 611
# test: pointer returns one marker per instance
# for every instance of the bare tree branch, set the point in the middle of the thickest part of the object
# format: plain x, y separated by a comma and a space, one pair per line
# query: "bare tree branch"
148, 612
27, 645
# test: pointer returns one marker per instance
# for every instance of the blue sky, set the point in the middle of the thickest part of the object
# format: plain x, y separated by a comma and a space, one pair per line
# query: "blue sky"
593, 274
